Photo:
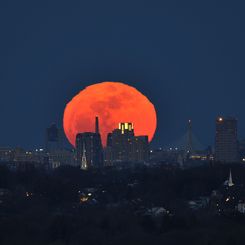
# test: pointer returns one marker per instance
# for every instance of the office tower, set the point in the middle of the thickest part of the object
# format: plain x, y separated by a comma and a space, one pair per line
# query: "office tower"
121, 142
226, 148
109, 140
124, 146
89, 147
84, 164
141, 148
54, 138
108, 151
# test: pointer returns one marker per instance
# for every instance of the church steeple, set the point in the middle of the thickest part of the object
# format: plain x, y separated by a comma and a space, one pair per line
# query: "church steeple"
230, 182
84, 164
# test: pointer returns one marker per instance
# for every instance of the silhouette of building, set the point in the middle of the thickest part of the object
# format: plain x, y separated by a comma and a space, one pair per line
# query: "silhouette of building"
84, 164
61, 157
241, 150
6, 154
226, 147
89, 148
124, 146
121, 142
141, 148
54, 138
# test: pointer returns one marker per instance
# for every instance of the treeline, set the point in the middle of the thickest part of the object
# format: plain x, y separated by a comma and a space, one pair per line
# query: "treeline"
43, 207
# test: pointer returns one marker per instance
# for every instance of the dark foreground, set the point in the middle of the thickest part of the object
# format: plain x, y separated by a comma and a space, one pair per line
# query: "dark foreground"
139, 206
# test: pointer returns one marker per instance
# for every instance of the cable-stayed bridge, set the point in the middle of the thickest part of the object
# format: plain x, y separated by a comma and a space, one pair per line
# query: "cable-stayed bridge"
188, 143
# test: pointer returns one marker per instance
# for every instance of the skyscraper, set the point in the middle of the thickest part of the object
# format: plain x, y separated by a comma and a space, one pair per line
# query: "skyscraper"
141, 148
226, 147
121, 141
124, 146
89, 148
53, 138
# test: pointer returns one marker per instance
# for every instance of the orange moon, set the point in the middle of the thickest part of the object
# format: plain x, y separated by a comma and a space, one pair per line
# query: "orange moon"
112, 102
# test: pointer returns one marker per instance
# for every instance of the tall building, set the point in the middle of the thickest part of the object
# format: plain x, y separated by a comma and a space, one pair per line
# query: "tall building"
54, 138
226, 146
124, 146
141, 148
84, 164
121, 142
89, 148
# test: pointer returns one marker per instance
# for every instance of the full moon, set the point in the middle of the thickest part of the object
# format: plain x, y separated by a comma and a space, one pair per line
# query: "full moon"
112, 102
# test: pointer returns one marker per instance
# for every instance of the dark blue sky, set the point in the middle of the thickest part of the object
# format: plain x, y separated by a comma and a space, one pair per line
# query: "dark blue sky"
186, 56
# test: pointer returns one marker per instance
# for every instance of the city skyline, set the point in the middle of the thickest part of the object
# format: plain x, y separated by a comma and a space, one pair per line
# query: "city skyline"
186, 57
122, 122
172, 144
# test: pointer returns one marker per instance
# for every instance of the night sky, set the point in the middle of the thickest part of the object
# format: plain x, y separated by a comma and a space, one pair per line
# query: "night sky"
186, 56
